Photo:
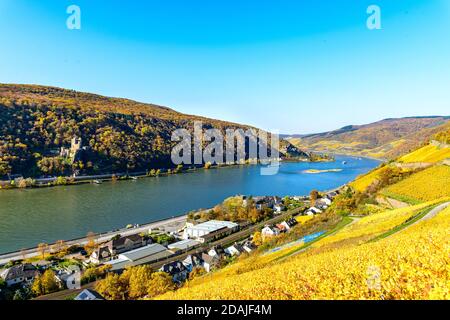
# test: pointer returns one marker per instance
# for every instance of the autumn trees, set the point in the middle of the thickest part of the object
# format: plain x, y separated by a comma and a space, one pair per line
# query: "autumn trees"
234, 209
45, 283
120, 135
135, 283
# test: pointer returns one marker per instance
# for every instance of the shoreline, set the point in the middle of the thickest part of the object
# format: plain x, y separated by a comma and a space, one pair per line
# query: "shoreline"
123, 231
172, 223
5, 185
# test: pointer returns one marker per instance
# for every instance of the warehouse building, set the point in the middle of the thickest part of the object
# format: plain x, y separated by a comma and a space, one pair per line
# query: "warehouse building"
200, 230
184, 245
147, 254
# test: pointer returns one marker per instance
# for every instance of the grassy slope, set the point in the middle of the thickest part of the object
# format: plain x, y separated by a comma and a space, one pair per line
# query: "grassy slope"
346, 266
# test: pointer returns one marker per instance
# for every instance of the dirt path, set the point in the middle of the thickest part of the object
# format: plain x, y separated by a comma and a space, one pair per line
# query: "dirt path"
390, 202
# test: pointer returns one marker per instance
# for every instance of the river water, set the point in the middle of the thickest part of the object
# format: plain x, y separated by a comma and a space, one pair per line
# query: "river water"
32, 216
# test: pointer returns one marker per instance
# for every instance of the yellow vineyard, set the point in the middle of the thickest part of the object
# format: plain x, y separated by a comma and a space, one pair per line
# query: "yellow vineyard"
411, 264
376, 224
429, 154
432, 183
364, 181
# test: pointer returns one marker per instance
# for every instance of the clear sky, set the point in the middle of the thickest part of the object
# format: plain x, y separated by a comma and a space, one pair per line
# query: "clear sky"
297, 66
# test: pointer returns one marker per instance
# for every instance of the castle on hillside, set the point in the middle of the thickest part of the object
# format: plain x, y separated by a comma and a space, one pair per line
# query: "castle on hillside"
73, 153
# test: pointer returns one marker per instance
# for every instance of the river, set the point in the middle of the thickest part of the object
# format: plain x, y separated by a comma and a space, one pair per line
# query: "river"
32, 216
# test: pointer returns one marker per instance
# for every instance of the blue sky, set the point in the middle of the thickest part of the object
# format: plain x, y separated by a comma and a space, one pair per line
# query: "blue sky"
295, 66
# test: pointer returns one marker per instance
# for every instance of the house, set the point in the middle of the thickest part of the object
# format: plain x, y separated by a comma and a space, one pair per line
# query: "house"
216, 251
276, 201
177, 270
325, 201
123, 244
209, 262
101, 255
332, 195
309, 213
234, 250
290, 223
19, 274
192, 261
315, 210
282, 227
88, 295
249, 246
278, 208
269, 231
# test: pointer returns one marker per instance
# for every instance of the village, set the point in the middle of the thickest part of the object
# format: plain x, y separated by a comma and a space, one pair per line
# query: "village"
175, 249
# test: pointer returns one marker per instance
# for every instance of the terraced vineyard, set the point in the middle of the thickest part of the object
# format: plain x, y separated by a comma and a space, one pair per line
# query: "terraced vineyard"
429, 184
364, 181
412, 264
429, 154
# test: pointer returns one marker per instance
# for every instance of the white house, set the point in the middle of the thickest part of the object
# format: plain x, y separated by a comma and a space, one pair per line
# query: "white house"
19, 274
249, 246
269, 231
326, 201
315, 210
209, 262
234, 250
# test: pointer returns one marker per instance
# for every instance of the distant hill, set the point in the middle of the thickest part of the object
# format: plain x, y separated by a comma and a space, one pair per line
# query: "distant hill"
118, 134
388, 138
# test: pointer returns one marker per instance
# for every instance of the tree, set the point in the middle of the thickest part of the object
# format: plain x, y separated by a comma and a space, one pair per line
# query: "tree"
94, 273
112, 287
49, 282
45, 284
160, 283
60, 247
90, 246
5, 168
138, 279
314, 195
197, 272
257, 239
42, 249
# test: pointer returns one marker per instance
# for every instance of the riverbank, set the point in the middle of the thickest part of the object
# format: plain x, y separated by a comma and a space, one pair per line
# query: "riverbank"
31, 183
42, 215
166, 225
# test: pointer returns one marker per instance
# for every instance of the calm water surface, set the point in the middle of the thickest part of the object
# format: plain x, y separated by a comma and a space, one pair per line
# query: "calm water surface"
28, 217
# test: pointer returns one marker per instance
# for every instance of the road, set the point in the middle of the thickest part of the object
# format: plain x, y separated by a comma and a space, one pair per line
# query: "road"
62, 295
172, 224
433, 212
